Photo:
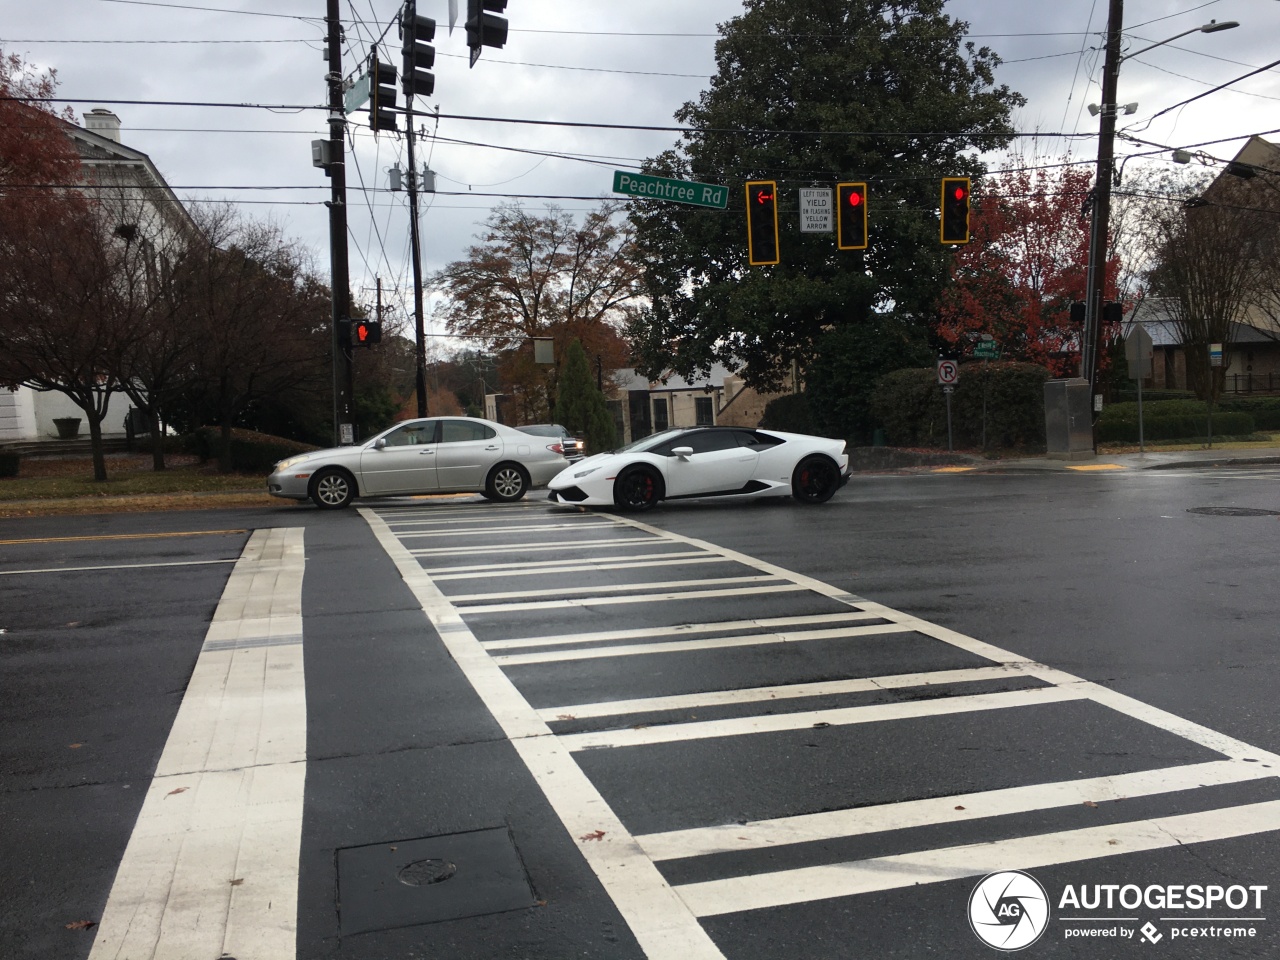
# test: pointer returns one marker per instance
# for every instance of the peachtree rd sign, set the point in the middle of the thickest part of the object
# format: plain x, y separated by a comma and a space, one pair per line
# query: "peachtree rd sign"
660, 188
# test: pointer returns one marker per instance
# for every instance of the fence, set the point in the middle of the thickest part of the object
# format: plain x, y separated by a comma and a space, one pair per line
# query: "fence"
1252, 383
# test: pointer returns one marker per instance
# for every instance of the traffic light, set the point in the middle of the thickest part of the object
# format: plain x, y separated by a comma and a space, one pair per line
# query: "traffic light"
382, 95
851, 216
484, 29
419, 56
762, 222
955, 209
365, 333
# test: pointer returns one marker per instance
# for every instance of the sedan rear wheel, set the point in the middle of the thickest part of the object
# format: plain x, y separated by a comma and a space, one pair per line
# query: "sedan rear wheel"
815, 480
637, 488
507, 482
332, 489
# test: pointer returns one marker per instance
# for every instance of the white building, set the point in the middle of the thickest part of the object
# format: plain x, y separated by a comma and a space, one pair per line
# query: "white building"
132, 192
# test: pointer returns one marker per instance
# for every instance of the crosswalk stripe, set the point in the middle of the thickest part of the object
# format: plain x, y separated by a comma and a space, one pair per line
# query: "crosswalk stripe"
524, 528
519, 607
840, 716
683, 629
598, 564
212, 866
553, 566
602, 543
807, 884
957, 808
681, 646
621, 588
821, 688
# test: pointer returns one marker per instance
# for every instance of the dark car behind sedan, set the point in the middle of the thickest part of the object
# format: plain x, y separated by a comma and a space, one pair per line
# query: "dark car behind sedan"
574, 449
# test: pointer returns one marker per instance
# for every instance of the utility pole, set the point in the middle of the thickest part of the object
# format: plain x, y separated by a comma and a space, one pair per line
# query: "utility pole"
419, 328
340, 281
1091, 345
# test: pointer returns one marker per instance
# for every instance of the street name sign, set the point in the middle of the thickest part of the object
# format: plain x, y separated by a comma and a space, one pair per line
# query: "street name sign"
816, 211
1215, 354
986, 350
356, 94
663, 188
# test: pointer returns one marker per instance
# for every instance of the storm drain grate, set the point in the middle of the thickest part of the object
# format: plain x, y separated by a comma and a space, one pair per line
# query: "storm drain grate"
404, 883
1233, 512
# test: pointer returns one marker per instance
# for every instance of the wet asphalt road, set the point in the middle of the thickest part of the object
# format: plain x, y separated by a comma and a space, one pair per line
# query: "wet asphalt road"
1151, 585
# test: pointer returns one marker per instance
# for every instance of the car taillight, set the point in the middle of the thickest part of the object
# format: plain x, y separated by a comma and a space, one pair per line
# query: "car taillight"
556, 448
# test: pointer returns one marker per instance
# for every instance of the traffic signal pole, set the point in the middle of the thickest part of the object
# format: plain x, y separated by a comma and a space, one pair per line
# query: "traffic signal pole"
1091, 345
340, 280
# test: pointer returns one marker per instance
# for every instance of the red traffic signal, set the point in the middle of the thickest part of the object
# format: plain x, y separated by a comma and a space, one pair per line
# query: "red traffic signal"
955, 210
364, 333
851, 216
762, 222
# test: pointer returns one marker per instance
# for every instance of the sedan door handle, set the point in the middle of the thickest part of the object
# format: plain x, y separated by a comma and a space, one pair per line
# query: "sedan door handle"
491, 447
426, 453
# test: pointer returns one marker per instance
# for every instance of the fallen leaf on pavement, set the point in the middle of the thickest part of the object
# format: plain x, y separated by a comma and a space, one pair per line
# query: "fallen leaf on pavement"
177, 790
596, 835
81, 924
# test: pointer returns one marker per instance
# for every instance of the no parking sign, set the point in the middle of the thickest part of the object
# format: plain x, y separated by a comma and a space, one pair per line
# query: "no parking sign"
948, 372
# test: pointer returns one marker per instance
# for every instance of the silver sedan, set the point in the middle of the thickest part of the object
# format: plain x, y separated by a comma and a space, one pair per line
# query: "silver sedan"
435, 455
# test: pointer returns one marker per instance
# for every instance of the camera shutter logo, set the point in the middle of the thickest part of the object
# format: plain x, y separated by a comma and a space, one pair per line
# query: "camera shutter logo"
1009, 910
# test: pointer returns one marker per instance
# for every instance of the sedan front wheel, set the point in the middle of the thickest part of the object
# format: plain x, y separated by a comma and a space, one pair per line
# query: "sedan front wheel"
637, 488
332, 489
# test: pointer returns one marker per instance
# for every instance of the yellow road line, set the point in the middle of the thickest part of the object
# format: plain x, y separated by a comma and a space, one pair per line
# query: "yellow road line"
1098, 466
125, 536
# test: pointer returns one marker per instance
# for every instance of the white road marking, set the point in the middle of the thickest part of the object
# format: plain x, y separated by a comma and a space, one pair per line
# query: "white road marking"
683, 629
661, 923
488, 573
559, 545
558, 566
611, 588
517, 607
805, 720
958, 808
821, 688
708, 643
212, 866
807, 884
525, 528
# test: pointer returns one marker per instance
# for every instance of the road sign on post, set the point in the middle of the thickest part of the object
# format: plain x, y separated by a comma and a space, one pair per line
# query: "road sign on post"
664, 188
1139, 350
948, 373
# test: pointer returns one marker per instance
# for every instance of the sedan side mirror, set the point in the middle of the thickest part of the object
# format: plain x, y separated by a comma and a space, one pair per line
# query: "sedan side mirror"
380, 443
684, 453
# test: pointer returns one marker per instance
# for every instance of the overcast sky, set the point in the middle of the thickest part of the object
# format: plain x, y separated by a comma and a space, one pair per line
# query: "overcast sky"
604, 61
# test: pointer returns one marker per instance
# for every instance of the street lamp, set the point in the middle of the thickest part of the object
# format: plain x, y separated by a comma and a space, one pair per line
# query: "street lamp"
1091, 343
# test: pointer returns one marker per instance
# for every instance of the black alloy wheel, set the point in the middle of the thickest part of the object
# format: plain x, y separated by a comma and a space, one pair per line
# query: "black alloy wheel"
815, 480
638, 488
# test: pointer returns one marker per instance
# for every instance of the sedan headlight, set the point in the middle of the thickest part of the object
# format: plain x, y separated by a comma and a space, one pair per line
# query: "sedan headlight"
288, 462
585, 473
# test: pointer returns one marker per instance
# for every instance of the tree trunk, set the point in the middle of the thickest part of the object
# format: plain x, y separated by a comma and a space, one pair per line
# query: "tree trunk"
95, 442
225, 464
157, 438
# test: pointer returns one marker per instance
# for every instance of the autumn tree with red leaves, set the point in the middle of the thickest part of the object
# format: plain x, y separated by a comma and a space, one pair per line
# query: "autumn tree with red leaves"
1026, 262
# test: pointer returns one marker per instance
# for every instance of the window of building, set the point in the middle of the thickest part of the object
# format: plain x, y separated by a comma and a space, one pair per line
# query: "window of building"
703, 412
660, 421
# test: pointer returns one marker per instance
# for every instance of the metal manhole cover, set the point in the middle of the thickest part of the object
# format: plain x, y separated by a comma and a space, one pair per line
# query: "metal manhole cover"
1233, 512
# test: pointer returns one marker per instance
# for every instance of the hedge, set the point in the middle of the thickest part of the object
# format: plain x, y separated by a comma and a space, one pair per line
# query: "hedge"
911, 407
788, 413
251, 452
1125, 430
9, 463
1264, 410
